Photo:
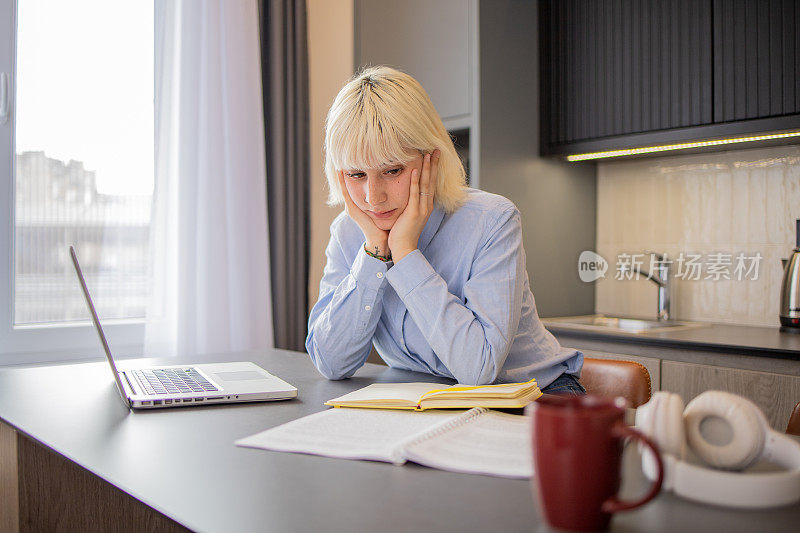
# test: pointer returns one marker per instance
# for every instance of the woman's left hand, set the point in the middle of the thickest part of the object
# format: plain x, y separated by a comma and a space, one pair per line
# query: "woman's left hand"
405, 232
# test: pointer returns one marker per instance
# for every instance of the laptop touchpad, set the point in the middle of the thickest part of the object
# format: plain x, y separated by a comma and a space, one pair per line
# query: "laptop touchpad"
247, 375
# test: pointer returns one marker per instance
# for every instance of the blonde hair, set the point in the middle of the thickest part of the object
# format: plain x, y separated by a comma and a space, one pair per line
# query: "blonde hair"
384, 116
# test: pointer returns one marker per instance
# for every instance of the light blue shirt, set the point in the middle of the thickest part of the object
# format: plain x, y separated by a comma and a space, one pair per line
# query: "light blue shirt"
460, 306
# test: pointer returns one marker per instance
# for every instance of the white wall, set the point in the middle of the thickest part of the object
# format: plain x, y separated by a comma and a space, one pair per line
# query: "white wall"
330, 63
743, 201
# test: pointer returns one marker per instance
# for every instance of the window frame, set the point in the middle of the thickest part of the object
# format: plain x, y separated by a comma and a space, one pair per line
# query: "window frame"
68, 341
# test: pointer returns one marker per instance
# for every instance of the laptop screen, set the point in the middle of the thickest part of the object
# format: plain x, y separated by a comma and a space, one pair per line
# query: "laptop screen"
97, 326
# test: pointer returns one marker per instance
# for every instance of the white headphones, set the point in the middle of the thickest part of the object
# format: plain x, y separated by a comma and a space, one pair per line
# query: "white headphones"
728, 433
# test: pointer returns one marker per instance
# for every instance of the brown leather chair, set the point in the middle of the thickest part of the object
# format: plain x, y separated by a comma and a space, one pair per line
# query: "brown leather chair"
609, 377
793, 428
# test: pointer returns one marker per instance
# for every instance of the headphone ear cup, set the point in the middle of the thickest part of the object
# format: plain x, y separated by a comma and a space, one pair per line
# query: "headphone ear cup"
662, 420
644, 416
670, 431
747, 424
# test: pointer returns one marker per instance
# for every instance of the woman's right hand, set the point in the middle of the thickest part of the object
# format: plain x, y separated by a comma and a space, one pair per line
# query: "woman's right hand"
377, 239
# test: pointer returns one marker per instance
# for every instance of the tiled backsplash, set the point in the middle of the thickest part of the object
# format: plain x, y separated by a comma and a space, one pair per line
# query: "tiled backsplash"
738, 204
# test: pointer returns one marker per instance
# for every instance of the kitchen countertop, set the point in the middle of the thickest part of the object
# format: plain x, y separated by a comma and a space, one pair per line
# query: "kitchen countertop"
751, 340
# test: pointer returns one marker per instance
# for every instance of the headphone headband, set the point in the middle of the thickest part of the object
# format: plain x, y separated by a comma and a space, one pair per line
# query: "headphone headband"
734, 489
722, 487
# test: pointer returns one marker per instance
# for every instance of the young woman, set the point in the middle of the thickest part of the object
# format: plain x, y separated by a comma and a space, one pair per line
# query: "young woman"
429, 271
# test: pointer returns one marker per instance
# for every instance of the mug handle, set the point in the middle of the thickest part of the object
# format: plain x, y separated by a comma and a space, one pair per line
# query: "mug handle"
614, 504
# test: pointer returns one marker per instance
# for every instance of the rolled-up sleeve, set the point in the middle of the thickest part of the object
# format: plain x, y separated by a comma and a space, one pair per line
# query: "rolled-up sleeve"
471, 336
343, 321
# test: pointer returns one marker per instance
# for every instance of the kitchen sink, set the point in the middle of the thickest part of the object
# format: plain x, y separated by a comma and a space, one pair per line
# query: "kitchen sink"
623, 324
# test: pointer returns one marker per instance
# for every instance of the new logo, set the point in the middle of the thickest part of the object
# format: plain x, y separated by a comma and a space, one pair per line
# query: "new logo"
591, 266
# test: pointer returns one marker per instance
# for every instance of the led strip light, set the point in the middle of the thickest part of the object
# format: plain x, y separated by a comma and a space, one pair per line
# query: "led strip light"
680, 146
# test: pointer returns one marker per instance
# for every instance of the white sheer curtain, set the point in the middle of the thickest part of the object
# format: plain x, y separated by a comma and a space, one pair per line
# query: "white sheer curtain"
209, 242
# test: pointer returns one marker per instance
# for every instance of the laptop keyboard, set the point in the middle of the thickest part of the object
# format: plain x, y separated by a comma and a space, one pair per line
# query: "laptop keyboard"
173, 381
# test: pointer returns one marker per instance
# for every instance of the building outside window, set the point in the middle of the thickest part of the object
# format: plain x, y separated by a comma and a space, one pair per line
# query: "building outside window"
76, 167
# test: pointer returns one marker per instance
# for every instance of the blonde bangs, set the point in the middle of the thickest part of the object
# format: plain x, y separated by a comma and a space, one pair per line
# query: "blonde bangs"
366, 138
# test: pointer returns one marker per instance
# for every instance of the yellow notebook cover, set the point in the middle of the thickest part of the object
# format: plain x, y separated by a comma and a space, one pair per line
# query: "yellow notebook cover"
421, 396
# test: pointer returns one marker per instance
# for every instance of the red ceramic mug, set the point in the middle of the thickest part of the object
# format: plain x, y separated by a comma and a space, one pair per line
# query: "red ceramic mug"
577, 450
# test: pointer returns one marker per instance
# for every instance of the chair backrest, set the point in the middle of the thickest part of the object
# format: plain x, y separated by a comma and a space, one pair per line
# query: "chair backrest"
793, 428
610, 377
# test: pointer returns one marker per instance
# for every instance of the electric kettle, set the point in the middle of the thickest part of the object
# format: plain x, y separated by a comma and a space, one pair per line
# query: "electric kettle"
790, 288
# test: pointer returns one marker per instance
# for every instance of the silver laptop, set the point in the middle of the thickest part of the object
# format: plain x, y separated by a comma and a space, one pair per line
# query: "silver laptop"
185, 385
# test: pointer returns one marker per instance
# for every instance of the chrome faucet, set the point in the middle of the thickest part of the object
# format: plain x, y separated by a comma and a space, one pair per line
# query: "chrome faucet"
662, 279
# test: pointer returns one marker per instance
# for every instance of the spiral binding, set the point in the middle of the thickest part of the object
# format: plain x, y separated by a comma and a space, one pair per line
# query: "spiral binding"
460, 420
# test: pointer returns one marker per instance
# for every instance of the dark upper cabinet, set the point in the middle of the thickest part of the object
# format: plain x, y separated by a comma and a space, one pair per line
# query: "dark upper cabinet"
627, 73
756, 60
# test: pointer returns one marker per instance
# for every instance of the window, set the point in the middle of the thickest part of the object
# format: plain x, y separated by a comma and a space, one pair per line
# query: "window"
76, 167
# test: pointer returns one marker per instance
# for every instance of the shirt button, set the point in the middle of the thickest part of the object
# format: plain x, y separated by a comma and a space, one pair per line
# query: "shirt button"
380, 275
367, 307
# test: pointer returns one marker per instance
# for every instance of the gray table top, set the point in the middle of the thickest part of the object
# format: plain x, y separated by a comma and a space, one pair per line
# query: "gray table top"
183, 463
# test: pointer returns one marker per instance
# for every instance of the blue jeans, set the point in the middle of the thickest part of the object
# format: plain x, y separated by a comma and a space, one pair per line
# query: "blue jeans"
565, 384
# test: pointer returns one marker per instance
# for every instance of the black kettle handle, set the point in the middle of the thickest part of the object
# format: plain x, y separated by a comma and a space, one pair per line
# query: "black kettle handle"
797, 234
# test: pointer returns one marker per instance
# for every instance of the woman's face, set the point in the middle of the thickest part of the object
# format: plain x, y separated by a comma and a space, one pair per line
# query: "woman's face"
382, 193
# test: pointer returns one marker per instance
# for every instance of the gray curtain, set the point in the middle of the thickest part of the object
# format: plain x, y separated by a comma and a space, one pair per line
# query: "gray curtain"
284, 67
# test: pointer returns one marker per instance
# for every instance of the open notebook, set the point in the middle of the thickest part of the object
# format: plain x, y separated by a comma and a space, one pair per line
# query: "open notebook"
420, 396
477, 441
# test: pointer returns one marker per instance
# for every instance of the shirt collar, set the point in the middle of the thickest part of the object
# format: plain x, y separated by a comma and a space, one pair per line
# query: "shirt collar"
431, 227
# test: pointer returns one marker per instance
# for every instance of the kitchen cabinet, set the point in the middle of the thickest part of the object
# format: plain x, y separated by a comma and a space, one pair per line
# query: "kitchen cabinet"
756, 59
432, 41
611, 69
775, 394
620, 74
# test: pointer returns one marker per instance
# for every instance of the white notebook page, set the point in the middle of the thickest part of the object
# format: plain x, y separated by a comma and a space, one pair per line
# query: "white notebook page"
492, 443
349, 433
